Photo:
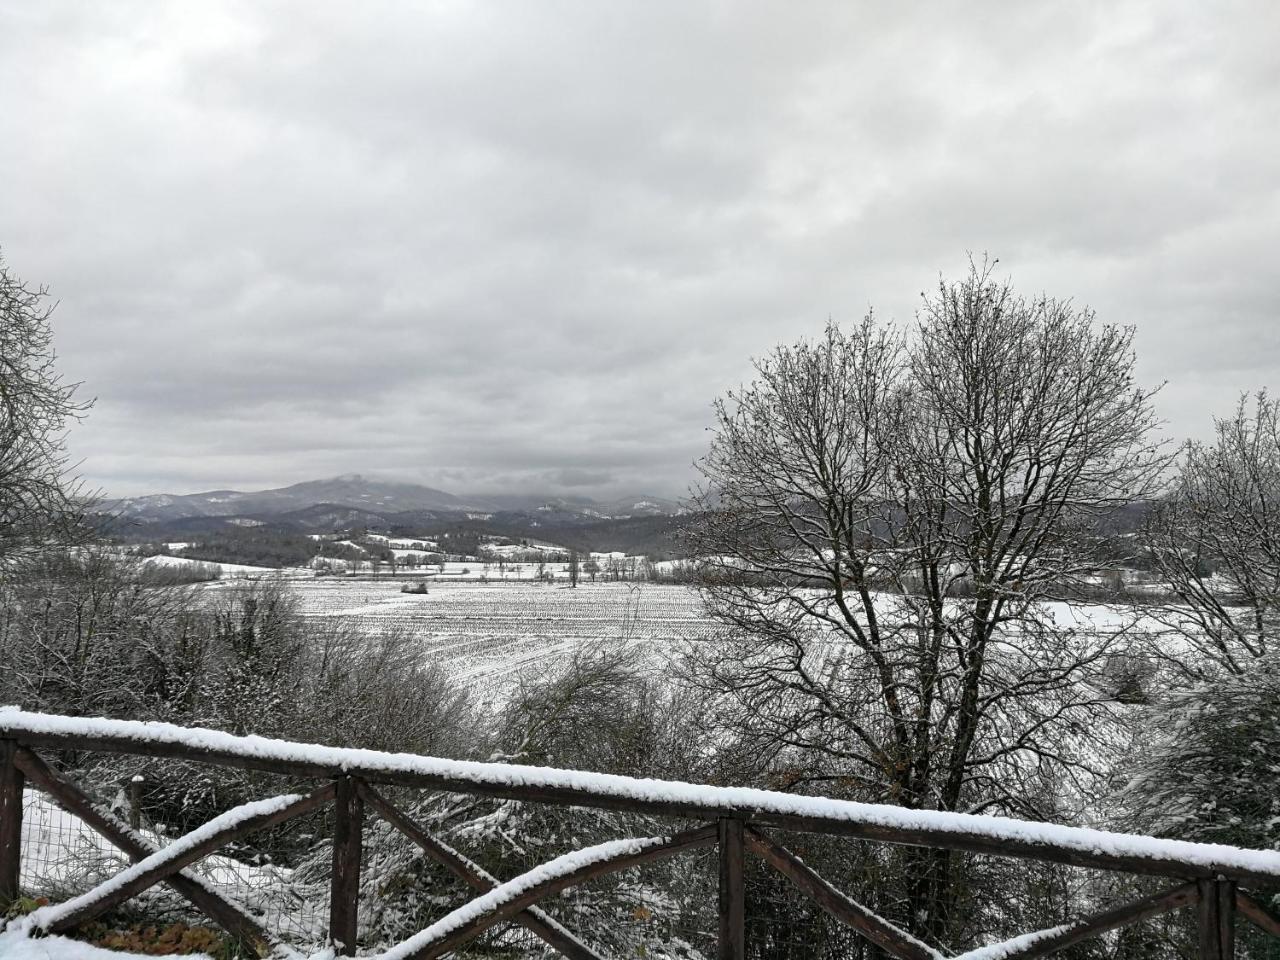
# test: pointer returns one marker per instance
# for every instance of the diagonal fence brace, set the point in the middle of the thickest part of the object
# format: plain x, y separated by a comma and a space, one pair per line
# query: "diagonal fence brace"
532, 919
227, 914
890, 938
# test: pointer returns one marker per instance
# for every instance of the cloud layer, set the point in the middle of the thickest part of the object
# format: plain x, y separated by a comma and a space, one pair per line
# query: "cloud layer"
499, 247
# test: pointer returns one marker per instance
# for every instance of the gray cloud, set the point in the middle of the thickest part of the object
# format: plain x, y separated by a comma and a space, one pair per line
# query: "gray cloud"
496, 246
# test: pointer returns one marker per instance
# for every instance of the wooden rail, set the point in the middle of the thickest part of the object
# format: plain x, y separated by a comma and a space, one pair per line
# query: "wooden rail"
737, 821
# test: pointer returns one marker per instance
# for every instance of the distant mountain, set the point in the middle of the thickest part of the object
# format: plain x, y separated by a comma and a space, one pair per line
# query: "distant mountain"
353, 499
351, 490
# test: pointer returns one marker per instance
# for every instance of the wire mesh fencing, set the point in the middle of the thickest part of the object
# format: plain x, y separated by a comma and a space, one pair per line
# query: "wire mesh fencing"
278, 876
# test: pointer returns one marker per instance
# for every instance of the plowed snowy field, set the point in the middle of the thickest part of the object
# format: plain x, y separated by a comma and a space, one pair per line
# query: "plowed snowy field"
486, 635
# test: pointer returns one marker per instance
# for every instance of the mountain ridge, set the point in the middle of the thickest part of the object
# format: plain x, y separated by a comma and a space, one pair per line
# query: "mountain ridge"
355, 491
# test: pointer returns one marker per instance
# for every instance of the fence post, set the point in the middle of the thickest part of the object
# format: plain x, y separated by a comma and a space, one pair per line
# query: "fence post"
733, 891
10, 822
1217, 915
344, 890
135, 801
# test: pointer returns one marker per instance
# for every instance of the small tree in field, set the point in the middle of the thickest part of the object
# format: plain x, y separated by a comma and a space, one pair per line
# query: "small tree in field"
573, 568
882, 516
39, 501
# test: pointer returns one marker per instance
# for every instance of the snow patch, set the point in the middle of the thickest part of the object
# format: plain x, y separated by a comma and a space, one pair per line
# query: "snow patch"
16, 945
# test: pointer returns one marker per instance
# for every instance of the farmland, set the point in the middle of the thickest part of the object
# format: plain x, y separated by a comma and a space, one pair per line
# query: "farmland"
488, 635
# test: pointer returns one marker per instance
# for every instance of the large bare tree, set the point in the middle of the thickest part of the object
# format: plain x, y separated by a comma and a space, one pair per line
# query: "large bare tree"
885, 516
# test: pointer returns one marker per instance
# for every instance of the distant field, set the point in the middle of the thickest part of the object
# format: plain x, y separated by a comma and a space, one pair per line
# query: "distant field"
487, 635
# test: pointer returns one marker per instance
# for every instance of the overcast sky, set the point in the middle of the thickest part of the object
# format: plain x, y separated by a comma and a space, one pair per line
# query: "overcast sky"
523, 246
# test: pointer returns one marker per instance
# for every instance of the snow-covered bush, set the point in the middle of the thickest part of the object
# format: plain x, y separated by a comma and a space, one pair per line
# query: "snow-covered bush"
83, 633
1207, 768
1210, 769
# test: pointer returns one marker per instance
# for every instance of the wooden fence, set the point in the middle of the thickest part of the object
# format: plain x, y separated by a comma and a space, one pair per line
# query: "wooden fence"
1210, 879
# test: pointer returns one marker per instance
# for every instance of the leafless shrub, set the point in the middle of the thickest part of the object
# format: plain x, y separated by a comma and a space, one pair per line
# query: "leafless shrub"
1215, 539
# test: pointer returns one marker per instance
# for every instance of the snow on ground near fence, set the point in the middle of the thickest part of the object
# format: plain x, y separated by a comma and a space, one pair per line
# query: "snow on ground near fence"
694, 796
58, 848
16, 945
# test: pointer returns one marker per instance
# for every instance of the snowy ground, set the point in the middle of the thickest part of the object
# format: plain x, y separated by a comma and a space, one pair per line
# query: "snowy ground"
413, 564
225, 570
15, 945
59, 851
487, 635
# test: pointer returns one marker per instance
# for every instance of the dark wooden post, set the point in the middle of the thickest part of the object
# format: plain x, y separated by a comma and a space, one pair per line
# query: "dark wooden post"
1217, 913
733, 890
344, 890
10, 822
135, 801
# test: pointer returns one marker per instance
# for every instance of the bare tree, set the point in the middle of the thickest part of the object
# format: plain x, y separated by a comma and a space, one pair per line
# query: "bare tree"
884, 517
1215, 539
39, 500
573, 568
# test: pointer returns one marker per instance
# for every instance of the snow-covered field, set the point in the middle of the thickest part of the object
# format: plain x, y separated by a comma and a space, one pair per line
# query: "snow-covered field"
487, 635
16, 945
232, 570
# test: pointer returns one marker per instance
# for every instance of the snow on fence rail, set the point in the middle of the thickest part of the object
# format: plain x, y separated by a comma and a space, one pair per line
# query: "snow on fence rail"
734, 818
